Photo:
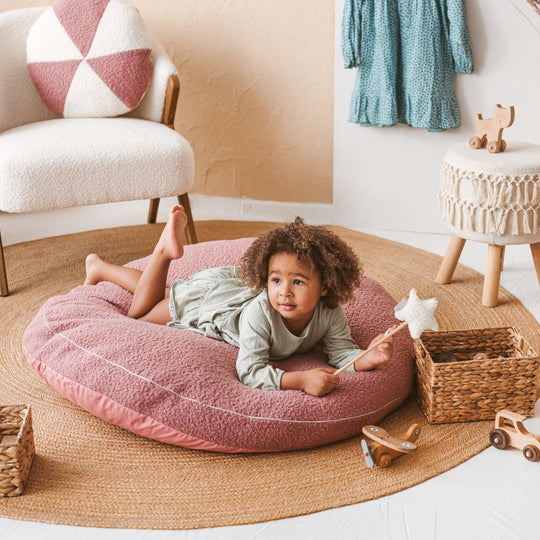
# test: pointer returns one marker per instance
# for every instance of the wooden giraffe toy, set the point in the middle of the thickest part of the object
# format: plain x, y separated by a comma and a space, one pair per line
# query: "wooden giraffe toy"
490, 129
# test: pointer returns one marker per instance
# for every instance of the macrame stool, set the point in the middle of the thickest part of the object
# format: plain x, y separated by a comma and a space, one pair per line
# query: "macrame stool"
490, 198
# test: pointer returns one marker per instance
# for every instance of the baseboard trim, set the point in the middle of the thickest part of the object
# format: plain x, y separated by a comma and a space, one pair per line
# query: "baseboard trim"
24, 227
206, 207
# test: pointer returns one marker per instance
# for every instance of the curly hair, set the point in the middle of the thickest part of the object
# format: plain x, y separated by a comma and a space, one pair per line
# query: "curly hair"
337, 264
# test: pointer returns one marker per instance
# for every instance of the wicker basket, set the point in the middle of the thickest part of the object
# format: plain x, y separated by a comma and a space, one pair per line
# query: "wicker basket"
16, 448
454, 386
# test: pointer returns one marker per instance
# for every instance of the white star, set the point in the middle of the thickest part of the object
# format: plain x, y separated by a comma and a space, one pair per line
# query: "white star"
419, 314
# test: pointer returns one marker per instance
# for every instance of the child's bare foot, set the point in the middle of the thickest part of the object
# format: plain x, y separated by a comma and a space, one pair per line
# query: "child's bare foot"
93, 269
170, 242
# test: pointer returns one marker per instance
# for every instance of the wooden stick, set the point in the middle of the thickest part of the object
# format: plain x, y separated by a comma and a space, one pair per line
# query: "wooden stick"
371, 347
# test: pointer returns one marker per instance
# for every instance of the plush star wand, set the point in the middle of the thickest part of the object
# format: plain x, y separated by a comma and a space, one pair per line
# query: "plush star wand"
418, 314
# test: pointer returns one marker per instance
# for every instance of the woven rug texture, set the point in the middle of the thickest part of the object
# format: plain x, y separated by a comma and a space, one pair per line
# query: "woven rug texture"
89, 473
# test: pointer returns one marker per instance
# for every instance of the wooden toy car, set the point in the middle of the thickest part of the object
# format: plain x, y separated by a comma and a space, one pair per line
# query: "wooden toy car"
510, 431
380, 448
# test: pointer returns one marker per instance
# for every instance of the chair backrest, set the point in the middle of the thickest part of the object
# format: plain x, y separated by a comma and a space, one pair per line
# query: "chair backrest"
19, 101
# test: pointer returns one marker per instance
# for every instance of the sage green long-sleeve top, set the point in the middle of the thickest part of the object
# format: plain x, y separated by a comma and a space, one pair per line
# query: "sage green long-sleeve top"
216, 303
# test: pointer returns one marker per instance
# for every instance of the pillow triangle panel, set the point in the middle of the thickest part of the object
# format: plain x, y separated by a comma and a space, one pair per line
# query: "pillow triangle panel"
115, 72
80, 29
80, 102
120, 29
53, 81
47, 41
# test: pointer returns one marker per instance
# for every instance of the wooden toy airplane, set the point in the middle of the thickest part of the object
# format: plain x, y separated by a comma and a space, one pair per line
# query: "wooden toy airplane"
380, 448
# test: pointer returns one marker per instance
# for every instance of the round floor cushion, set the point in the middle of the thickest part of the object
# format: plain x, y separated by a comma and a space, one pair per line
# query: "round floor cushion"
181, 387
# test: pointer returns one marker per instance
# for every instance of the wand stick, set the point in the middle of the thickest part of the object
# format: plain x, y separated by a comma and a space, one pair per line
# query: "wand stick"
372, 346
418, 314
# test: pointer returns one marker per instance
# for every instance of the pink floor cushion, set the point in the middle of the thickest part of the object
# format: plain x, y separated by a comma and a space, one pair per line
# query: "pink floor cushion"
180, 387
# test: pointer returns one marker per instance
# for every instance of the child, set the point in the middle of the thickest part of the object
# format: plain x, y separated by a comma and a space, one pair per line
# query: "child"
284, 299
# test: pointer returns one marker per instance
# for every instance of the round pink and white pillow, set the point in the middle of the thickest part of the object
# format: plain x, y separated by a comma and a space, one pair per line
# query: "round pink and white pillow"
90, 58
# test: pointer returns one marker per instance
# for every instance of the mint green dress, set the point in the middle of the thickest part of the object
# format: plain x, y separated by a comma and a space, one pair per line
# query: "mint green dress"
406, 52
216, 303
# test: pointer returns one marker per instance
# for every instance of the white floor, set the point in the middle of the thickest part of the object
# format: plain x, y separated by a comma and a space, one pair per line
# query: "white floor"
494, 495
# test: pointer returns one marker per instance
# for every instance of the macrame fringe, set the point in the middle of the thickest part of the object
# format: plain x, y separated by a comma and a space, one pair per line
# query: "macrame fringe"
501, 204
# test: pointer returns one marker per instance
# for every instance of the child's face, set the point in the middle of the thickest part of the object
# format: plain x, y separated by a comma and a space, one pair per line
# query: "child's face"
294, 289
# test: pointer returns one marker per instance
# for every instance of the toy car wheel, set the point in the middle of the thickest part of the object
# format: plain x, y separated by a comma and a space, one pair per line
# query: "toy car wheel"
475, 142
493, 147
384, 460
531, 453
498, 439
503, 145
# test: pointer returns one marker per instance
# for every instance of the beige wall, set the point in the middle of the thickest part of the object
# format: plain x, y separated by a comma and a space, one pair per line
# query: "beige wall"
256, 96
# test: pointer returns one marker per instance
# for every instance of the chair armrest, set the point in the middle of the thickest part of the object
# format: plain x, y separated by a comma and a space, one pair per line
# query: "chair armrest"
152, 105
171, 100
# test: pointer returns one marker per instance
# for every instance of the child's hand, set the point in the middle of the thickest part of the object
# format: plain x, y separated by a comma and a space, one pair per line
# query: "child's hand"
319, 382
316, 382
378, 356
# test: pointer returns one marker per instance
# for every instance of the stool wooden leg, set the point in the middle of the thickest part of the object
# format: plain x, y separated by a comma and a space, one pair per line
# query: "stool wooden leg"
535, 250
450, 261
4, 291
492, 280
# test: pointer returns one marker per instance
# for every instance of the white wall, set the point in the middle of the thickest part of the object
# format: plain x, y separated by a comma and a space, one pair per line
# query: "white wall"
387, 178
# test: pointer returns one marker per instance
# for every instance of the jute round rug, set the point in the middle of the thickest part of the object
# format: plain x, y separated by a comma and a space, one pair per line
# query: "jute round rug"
89, 473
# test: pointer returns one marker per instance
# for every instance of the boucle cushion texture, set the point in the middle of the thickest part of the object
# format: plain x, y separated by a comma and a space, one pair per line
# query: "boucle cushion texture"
89, 58
180, 387
80, 161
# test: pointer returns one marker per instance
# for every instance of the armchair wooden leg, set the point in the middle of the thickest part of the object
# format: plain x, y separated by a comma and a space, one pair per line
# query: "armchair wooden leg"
450, 261
190, 229
153, 210
4, 291
493, 275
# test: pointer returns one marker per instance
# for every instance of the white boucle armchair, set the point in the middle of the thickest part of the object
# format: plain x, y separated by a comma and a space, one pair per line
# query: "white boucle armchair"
47, 162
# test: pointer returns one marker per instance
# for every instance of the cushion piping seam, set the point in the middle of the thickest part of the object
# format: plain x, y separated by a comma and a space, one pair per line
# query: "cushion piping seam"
271, 419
